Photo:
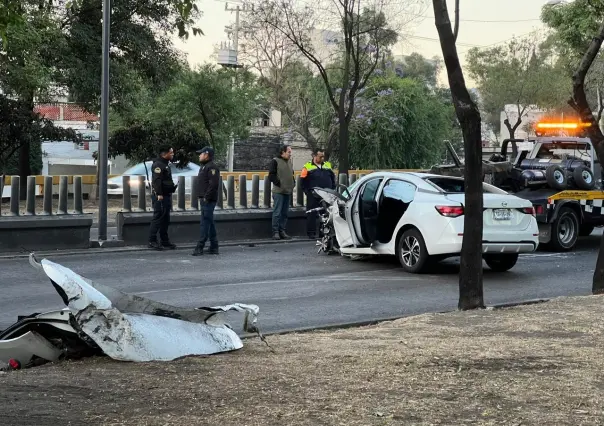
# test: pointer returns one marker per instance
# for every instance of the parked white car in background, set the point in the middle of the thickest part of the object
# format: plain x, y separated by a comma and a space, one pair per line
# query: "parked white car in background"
115, 185
420, 217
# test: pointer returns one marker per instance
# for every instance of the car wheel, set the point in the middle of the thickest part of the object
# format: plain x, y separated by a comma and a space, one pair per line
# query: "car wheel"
565, 230
556, 177
501, 262
585, 230
412, 252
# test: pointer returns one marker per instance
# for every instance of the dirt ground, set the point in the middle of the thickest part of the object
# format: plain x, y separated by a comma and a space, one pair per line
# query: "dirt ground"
539, 364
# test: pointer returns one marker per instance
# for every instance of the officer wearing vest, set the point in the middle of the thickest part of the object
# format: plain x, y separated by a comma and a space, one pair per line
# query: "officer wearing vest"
163, 188
316, 174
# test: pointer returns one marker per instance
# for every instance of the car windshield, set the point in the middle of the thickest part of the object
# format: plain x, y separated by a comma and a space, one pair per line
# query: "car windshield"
457, 186
138, 169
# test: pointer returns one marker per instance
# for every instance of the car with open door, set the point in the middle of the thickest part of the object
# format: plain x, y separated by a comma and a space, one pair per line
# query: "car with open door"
419, 217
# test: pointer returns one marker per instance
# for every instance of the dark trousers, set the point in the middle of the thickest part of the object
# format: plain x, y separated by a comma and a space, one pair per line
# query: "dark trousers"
280, 211
161, 218
207, 226
312, 202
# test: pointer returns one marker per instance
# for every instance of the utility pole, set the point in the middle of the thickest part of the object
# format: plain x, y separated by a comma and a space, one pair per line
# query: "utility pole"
228, 58
103, 156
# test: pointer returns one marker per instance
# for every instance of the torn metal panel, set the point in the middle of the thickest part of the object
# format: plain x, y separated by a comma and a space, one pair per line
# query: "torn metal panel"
26, 346
139, 336
131, 303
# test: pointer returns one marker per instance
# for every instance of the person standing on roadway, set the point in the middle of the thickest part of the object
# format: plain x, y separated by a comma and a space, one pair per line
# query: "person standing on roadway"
163, 187
281, 174
316, 174
208, 187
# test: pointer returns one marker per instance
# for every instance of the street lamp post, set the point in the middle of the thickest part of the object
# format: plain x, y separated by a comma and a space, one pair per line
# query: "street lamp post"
103, 156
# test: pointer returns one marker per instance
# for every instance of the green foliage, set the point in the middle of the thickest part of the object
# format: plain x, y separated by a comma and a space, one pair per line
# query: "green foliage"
404, 125
203, 107
19, 125
521, 73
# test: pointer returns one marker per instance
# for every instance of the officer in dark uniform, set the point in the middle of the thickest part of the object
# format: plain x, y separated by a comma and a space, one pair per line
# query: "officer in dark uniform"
163, 188
316, 174
208, 187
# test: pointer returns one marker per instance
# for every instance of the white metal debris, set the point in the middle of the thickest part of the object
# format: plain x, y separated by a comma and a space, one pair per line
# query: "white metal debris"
123, 326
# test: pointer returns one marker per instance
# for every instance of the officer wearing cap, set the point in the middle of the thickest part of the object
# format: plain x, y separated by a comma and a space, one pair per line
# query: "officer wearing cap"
163, 188
207, 192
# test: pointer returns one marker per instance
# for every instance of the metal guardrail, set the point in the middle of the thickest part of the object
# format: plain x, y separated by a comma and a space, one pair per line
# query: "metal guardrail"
235, 192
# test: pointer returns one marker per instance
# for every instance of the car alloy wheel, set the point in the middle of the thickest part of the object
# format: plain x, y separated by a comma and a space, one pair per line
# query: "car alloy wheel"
410, 251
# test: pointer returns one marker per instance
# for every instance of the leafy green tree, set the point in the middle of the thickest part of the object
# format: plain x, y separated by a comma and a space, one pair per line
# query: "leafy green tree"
206, 106
398, 124
19, 126
574, 25
520, 73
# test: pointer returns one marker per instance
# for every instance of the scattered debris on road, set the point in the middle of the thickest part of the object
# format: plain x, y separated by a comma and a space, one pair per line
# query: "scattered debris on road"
101, 320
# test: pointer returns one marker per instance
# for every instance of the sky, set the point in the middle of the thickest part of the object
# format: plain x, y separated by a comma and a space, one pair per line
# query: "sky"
483, 23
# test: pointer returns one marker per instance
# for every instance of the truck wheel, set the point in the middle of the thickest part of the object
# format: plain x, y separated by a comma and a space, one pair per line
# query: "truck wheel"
565, 230
586, 230
556, 177
584, 178
501, 262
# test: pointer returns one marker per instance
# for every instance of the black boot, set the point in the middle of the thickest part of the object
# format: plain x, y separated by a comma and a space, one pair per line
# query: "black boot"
213, 250
168, 245
155, 245
284, 236
198, 250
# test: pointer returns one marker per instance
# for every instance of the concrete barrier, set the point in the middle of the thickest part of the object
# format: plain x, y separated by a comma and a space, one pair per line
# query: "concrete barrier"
231, 225
45, 233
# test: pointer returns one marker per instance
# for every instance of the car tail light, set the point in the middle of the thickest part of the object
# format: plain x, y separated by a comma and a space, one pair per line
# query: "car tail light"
528, 210
539, 209
450, 211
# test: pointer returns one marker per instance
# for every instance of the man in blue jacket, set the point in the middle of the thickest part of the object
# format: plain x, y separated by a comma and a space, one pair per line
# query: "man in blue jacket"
316, 174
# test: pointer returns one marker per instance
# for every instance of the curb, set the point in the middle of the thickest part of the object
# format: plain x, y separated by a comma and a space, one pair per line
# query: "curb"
343, 326
110, 249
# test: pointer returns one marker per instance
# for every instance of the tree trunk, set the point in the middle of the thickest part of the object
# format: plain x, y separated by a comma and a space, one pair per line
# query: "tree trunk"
343, 164
581, 106
512, 131
24, 158
470, 276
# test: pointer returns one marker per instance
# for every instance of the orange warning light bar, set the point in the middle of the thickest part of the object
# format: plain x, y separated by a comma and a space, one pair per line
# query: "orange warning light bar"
562, 125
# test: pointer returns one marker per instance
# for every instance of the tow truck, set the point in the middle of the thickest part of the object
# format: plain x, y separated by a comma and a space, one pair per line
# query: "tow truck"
560, 175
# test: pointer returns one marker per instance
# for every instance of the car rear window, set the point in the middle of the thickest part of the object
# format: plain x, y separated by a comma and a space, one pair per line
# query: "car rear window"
457, 186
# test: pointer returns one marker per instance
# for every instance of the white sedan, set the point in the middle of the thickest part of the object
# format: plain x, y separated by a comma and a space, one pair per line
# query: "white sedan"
420, 217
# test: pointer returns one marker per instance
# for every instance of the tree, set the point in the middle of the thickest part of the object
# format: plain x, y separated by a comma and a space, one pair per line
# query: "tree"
574, 25
19, 125
206, 106
470, 277
416, 66
366, 37
521, 73
398, 123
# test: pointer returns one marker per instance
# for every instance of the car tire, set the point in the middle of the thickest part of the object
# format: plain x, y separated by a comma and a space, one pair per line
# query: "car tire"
501, 262
556, 177
411, 251
584, 178
565, 230
586, 230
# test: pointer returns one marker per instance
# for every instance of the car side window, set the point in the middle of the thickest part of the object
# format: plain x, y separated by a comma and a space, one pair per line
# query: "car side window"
399, 190
370, 190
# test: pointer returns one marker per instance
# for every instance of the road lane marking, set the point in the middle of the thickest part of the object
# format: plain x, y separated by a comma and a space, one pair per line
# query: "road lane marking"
286, 281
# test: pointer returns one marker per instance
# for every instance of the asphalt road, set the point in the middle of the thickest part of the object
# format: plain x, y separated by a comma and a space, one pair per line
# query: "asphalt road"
295, 287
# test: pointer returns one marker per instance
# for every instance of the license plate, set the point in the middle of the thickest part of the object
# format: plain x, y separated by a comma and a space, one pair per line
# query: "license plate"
502, 214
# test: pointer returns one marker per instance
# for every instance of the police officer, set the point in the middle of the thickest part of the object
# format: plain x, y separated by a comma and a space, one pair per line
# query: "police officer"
163, 188
208, 187
316, 174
